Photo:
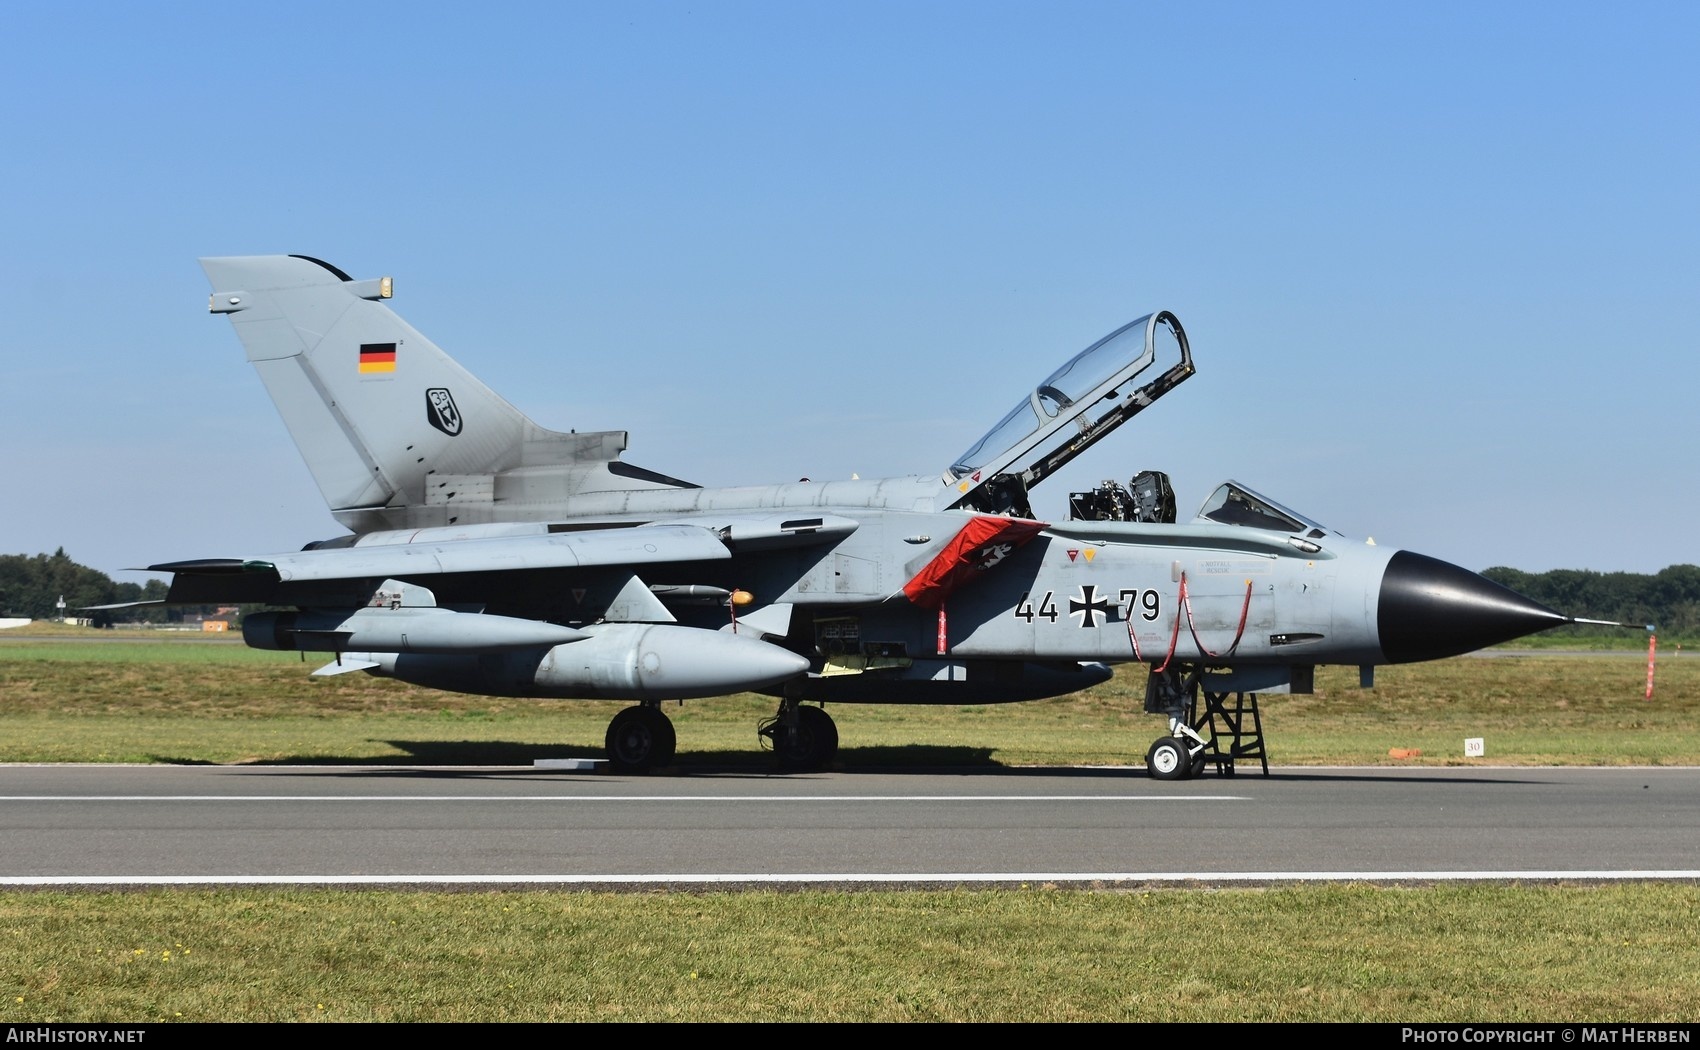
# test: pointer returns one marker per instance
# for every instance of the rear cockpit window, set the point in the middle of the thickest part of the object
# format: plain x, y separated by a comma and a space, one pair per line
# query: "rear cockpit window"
1233, 504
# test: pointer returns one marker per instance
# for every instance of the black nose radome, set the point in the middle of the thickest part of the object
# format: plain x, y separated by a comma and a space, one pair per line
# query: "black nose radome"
1431, 609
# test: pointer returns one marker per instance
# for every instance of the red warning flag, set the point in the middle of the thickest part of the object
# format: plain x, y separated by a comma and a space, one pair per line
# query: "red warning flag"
982, 543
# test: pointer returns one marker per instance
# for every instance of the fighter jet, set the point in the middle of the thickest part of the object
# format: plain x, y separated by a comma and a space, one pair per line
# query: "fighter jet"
488, 555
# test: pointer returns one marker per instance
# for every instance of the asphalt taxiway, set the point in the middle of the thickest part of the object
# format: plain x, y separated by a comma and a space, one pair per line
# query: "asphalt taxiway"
89, 825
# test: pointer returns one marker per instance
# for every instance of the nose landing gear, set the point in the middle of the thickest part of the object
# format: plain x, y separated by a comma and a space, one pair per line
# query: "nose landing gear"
1235, 729
1178, 756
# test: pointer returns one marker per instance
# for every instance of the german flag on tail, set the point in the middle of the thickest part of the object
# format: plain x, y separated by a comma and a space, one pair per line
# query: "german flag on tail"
377, 357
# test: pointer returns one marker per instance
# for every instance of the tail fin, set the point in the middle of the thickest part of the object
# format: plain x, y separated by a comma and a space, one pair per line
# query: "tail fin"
396, 434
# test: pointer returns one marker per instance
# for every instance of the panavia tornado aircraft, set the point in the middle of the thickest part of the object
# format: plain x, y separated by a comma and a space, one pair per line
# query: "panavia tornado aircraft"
488, 555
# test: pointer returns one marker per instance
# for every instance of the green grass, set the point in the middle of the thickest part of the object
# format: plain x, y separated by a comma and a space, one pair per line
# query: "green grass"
1335, 953
1451, 952
185, 699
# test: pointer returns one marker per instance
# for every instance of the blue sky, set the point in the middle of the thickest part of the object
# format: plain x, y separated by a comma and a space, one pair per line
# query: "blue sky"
1439, 262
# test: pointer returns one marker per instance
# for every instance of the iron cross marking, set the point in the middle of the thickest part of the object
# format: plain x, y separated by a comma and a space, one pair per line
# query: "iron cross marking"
1089, 606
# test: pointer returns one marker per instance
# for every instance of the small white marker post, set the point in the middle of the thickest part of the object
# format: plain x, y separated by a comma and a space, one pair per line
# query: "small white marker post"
1473, 747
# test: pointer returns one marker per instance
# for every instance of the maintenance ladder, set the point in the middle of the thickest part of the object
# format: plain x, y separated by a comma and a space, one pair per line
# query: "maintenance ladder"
1228, 723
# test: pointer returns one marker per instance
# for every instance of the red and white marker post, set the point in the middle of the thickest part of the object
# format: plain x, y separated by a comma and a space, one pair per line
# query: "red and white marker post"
1652, 649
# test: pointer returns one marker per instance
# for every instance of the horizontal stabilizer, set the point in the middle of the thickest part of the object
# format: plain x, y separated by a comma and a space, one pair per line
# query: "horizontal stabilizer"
259, 580
572, 550
202, 566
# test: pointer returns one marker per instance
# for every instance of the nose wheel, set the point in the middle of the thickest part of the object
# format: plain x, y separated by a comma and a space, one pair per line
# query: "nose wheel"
1173, 758
1178, 756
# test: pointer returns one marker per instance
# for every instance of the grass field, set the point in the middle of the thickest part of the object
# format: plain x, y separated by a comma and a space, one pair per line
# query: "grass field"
103, 696
1315, 953
1546, 953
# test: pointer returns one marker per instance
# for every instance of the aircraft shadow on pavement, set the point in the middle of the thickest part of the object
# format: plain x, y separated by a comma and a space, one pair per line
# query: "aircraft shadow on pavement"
450, 759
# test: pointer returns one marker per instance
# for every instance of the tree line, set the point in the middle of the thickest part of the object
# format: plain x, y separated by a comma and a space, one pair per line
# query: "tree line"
1669, 599
33, 587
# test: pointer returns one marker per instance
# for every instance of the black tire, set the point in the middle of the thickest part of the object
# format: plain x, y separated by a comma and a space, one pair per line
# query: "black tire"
1198, 764
640, 739
1168, 759
824, 730
811, 747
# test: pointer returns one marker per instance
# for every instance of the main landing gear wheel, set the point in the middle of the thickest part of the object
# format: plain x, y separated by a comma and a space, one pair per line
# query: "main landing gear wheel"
1168, 759
809, 745
640, 739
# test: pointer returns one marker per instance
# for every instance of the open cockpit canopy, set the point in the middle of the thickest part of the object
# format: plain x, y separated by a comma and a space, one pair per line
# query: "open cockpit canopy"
1093, 393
